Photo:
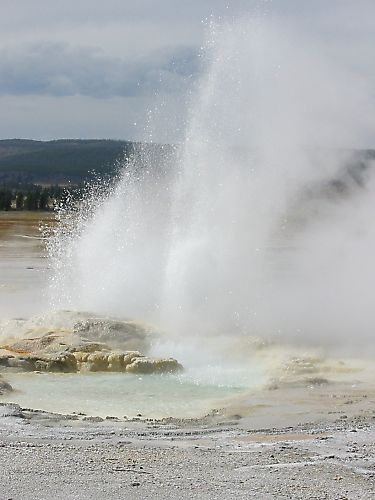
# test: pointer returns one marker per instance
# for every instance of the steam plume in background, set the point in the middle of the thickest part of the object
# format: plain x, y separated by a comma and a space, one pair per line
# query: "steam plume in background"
264, 223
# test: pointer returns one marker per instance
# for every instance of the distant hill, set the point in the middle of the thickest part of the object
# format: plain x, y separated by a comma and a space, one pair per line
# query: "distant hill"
26, 162
58, 162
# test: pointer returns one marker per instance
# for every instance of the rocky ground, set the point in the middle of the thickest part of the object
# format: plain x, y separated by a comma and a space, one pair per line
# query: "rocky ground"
79, 342
222, 456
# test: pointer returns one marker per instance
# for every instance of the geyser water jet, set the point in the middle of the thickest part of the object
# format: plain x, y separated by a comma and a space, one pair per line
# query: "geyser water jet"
258, 229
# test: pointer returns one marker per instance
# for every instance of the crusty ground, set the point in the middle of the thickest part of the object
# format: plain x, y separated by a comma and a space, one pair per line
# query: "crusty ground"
47, 456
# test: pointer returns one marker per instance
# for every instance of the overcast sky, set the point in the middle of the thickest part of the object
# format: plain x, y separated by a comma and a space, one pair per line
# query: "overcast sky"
98, 69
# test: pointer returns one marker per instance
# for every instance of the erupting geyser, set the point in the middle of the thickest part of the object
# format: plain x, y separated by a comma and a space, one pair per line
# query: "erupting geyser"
238, 254
263, 224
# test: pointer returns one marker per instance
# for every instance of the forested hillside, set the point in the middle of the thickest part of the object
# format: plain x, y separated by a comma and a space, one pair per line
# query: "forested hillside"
58, 162
34, 174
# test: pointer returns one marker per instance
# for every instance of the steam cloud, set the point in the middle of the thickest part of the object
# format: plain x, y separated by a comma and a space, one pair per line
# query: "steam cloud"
264, 226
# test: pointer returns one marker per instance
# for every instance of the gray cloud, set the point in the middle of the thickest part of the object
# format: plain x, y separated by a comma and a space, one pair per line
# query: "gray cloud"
58, 69
108, 59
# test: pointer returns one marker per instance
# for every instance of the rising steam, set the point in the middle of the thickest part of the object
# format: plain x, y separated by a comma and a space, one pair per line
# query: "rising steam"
263, 225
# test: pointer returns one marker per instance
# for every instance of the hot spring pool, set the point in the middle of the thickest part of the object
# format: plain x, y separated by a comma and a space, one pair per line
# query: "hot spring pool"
118, 394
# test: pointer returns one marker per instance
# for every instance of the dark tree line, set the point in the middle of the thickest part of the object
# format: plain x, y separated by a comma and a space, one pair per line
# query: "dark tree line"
34, 197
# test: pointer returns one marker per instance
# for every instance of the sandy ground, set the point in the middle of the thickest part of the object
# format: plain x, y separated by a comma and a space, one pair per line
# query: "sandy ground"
23, 268
326, 451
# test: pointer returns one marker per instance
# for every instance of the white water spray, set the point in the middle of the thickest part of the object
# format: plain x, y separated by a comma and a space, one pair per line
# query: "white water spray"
261, 227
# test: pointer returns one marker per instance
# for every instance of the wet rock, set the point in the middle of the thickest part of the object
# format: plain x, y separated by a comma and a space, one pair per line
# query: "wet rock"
145, 365
5, 387
115, 362
96, 362
93, 419
11, 410
131, 356
80, 329
87, 346
69, 342
307, 371
58, 362
20, 363
26, 346
105, 361
4, 359
63, 362
129, 361
129, 335
298, 366
316, 381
